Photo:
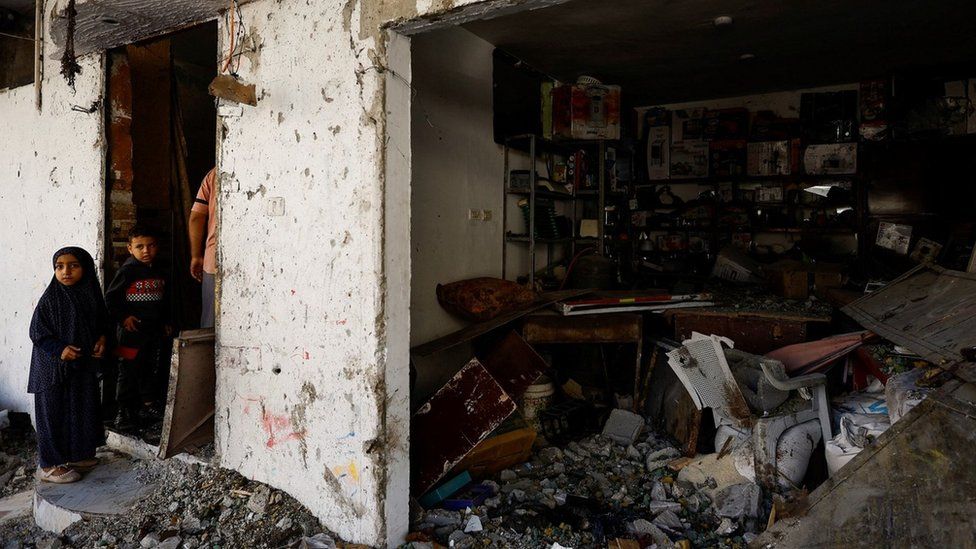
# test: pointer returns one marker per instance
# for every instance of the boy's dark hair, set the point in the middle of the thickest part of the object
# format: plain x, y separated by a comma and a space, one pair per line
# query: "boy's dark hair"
142, 230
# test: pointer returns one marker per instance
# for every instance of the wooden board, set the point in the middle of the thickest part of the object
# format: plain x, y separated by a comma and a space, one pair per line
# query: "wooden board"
188, 420
467, 334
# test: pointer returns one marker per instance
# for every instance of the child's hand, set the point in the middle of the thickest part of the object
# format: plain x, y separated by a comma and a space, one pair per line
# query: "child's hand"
131, 324
71, 353
99, 349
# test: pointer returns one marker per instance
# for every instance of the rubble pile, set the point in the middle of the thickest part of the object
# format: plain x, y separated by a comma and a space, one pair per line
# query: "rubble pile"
192, 506
588, 493
17, 456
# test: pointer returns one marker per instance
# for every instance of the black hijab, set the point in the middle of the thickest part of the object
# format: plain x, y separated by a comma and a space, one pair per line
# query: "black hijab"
66, 315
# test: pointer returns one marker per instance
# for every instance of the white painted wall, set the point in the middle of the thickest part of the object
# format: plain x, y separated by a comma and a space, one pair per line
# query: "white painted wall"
50, 196
456, 167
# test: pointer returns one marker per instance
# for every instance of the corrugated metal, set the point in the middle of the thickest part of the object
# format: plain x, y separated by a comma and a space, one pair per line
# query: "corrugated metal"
930, 310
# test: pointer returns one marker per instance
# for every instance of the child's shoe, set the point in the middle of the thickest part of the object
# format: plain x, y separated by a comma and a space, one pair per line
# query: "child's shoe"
58, 475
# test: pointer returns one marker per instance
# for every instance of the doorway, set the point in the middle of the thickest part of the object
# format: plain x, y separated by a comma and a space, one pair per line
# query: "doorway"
161, 135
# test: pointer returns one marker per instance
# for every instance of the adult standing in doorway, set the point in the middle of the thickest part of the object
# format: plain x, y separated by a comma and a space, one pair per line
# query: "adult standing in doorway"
203, 244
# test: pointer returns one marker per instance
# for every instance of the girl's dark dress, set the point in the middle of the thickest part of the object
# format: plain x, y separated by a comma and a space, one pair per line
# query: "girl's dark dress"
66, 404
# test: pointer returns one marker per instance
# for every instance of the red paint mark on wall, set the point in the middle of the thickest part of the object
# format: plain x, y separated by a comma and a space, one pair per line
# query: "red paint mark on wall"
278, 427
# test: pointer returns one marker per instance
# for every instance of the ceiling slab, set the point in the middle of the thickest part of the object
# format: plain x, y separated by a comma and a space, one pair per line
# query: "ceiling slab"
664, 51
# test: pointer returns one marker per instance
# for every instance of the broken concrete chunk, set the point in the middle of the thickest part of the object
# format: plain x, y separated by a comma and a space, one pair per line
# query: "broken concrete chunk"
170, 543
151, 540
473, 524
738, 501
460, 540
725, 528
623, 427
656, 507
507, 475
641, 527
669, 520
551, 454
258, 501
318, 541
442, 517
658, 492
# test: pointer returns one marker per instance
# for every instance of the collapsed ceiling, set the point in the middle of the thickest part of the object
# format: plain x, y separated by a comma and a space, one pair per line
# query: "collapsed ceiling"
664, 51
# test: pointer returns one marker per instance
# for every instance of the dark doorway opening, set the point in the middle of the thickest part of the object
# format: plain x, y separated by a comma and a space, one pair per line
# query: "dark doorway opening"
161, 134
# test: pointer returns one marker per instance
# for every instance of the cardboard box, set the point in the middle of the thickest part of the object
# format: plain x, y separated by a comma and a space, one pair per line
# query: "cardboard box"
658, 152
586, 111
773, 157
689, 159
687, 125
724, 124
727, 157
831, 159
796, 280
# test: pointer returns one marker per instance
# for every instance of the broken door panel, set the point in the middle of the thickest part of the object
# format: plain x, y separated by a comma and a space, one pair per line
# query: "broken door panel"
459, 416
190, 399
929, 310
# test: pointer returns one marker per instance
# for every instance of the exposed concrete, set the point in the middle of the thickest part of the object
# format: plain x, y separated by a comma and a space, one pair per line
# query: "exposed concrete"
16, 506
111, 488
312, 312
51, 195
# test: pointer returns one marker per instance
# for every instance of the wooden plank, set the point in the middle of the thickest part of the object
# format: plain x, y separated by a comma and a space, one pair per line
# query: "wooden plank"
188, 420
471, 332
611, 328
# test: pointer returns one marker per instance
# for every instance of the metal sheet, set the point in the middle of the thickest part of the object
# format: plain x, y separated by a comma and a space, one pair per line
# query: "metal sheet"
929, 310
458, 417
514, 364
190, 400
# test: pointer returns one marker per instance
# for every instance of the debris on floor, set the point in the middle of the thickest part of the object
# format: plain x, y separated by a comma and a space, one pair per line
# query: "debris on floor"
595, 491
190, 506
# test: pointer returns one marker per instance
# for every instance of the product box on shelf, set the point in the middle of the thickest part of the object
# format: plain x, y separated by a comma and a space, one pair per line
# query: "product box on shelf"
773, 157
586, 111
689, 159
831, 159
727, 157
658, 152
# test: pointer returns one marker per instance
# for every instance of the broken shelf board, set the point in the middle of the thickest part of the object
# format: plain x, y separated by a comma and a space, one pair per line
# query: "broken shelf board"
471, 332
189, 416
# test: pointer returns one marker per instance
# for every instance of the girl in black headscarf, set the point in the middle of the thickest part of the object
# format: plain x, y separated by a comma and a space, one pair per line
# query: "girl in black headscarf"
69, 330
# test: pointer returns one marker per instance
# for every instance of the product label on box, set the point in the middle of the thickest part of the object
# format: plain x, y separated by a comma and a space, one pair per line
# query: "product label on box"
689, 159
832, 159
768, 158
658, 152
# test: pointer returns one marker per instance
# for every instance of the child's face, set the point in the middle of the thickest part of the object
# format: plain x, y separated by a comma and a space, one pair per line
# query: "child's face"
68, 270
143, 248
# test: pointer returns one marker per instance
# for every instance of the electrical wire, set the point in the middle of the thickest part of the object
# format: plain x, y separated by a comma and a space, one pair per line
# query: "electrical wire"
232, 37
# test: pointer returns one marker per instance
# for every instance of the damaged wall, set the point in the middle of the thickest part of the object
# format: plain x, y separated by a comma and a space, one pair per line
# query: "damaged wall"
312, 344
50, 196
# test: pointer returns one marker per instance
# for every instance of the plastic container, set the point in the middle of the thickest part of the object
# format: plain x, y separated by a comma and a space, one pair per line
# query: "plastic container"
537, 397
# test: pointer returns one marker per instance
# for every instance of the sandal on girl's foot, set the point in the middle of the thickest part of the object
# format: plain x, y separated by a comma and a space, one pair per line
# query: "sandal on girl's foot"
58, 475
84, 465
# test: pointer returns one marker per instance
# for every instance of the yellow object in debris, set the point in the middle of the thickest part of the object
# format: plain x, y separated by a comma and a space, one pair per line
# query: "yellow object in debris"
682, 544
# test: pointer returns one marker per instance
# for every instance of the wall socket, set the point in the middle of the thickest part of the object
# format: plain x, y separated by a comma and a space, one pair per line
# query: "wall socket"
479, 215
276, 206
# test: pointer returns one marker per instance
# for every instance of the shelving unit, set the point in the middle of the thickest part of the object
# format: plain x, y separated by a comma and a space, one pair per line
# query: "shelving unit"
539, 148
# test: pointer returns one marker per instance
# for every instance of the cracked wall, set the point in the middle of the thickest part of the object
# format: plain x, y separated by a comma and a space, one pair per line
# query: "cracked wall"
313, 317
51, 195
